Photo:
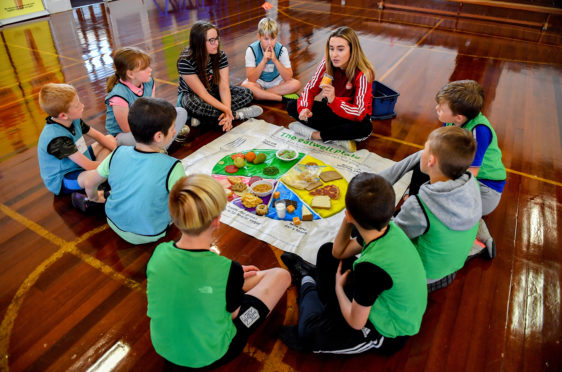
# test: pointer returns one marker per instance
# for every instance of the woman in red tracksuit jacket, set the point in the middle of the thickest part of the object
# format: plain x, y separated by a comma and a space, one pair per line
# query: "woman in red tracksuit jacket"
344, 82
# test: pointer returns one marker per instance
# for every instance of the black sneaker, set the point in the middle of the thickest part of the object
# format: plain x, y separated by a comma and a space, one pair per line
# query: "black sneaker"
80, 201
298, 267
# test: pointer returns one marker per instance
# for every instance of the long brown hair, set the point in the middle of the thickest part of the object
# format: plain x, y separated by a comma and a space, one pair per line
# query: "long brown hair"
197, 51
357, 59
127, 59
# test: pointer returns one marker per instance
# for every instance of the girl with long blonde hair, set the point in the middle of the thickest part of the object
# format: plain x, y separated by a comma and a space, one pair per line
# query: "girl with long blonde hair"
344, 82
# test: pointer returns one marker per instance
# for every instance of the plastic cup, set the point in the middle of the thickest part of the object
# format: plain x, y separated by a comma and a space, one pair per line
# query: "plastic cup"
280, 208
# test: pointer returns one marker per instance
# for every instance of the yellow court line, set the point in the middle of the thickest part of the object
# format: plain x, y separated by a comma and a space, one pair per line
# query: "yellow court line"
159, 37
44, 51
296, 19
396, 140
165, 81
431, 15
409, 51
36, 228
65, 247
508, 170
537, 178
223, 28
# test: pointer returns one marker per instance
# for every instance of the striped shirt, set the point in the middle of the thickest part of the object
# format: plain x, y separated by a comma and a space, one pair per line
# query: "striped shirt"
188, 66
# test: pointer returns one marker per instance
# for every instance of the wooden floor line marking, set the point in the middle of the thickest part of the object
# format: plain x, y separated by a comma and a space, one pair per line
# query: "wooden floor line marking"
397, 63
36, 228
13, 308
432, 15
508, 170
44, 51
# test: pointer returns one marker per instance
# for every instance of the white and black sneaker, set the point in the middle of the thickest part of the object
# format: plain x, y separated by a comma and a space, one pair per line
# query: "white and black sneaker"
301, 129
249, 112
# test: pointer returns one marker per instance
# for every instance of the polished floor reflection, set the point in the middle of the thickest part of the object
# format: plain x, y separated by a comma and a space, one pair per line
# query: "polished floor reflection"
73, 294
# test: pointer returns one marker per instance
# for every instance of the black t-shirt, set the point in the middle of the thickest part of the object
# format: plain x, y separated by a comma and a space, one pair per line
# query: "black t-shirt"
188, 66
369, 281
63, 147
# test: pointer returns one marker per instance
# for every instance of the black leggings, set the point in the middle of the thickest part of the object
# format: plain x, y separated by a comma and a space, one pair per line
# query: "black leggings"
330, 125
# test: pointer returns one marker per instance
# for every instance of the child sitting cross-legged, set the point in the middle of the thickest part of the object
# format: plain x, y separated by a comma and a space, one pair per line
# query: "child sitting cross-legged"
203, 306
442, 219
140, 177
63, 154
268, 68
349, 304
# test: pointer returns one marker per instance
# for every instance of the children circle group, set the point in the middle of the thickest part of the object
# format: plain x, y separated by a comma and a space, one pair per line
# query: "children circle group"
369, 287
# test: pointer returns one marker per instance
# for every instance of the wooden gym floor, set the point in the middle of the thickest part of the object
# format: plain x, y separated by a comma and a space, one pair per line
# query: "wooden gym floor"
71, 290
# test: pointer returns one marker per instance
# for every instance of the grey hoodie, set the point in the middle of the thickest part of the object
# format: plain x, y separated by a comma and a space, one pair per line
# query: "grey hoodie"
456, 203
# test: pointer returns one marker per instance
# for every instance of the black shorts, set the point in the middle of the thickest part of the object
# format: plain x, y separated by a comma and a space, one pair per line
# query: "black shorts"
252, 314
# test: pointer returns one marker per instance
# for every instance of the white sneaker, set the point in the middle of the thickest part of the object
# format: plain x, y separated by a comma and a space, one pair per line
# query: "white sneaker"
349, 146
184, 131
181, 136
301, 129
195, 122
249, 112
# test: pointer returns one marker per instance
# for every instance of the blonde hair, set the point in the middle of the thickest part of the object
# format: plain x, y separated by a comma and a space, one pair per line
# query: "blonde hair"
127, 59
454, 149
55, 99
268, 27
357, 59
195, 201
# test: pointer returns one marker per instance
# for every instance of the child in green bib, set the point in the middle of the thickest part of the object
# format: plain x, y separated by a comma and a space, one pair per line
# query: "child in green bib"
366, 293
442, 218
459, 103
203, 306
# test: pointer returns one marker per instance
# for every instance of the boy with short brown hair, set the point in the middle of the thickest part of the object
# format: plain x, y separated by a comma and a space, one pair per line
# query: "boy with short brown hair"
442, 219
63, 154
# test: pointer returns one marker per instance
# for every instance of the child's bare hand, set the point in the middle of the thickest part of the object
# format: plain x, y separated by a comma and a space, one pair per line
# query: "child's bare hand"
268, 53
249, 271
341, 278
225, 120
305, 114
328, 92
